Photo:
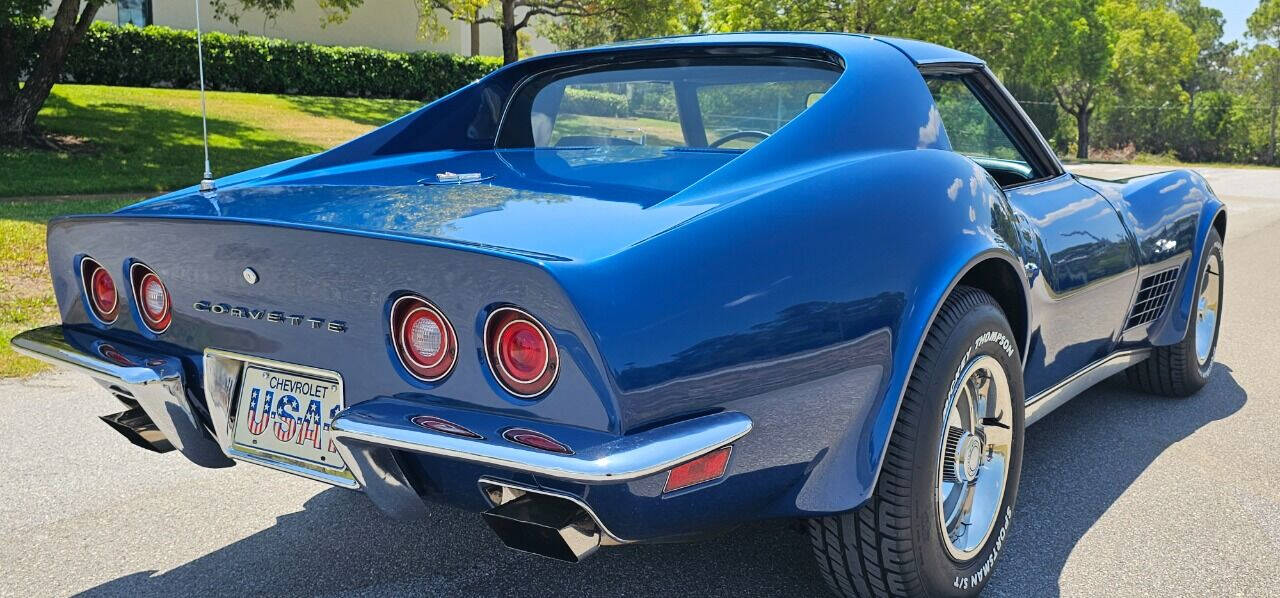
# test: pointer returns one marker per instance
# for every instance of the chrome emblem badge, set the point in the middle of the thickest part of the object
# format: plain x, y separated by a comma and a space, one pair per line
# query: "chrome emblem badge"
276, 317
250, 276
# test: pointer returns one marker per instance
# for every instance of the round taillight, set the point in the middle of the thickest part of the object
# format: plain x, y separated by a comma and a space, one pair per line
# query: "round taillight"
155, 301
152, 298
423, 338
100, 291
104, 291
521, 352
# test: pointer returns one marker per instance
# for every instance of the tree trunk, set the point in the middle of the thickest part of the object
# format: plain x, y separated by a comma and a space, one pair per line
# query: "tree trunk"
1082, 133
1275, 107
18, 116
8, 62
475, 36
1271, 151
510, 41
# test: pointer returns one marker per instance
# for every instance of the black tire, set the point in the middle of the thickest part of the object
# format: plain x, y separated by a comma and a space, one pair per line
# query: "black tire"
1175, 370
893, 545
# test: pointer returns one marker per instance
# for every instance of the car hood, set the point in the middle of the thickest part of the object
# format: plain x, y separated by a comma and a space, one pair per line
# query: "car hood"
572, 204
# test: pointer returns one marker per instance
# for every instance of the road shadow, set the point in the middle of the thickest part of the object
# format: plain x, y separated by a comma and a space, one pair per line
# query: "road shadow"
1085, 455
339, 544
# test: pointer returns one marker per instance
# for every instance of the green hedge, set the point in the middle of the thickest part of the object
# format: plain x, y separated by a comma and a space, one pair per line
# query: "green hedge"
592, 102
164, 57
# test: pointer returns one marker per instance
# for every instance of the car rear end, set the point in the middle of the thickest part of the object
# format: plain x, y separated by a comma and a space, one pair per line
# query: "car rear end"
410, 369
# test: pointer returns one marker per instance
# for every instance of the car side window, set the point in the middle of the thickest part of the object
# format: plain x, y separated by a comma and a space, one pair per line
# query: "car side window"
975, 133
740, 115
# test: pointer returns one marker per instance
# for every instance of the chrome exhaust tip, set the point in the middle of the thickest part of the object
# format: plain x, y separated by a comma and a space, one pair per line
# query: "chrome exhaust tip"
544, 525
138, 429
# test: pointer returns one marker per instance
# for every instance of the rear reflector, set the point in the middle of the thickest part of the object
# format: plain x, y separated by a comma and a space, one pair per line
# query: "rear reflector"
115, 356
536, 440
703, 469
431, 422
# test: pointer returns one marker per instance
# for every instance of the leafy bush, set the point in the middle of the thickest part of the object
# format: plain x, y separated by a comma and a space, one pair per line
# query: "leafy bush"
1218, 131
163, 57
654, 100
592, 102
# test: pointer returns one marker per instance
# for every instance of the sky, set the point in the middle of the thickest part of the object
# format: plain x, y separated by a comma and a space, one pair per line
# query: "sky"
1236, 12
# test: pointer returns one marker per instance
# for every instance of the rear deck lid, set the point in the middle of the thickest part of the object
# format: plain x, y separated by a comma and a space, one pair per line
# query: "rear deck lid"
559, 203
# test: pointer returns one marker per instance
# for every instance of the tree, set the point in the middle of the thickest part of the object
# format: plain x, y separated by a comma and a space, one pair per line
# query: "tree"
1082, 64
1264, 63
1154, 51
1213, 60
629, 19
851, 16
510, 16
19, 102
1118, 48
998, 29
335, 11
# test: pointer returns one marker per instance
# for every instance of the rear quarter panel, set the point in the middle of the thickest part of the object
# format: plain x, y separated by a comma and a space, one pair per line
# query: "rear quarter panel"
802, 307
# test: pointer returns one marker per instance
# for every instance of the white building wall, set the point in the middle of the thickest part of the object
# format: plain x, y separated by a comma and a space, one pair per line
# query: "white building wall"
384, 24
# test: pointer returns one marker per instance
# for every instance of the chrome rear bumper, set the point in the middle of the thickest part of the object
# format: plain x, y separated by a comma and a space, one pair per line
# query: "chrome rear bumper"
370, 433
624, 458
154, 382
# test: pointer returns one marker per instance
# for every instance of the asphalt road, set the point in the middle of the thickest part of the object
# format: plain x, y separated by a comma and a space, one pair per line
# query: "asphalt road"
1122, 494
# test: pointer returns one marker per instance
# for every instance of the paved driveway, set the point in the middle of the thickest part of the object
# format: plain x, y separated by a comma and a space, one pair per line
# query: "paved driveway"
1122, 494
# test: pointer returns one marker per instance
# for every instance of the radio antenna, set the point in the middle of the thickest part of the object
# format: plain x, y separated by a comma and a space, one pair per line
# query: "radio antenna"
207, 186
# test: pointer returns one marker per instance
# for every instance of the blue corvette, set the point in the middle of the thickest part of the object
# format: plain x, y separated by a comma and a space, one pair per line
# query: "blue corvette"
651, 291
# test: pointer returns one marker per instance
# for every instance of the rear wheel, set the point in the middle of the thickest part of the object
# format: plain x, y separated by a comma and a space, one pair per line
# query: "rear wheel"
1181, 369
936, 522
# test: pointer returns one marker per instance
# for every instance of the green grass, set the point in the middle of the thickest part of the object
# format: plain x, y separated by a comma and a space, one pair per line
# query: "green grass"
26, 295
656, 131
144, 139
1170, 160
1167, 160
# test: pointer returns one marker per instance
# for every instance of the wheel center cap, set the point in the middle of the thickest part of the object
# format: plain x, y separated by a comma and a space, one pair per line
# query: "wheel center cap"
970, 458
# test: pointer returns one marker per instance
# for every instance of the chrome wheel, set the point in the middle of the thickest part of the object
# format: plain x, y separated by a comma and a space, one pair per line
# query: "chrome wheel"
1208, 309
977, 440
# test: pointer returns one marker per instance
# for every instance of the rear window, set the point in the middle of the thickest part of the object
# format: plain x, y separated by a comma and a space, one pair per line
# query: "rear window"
710, 106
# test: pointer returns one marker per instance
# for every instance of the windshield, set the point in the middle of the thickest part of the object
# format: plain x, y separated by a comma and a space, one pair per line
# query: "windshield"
700, 106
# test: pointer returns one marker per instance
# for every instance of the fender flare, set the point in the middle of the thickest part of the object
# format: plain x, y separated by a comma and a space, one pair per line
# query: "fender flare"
826, 488
923, 333
1174, 328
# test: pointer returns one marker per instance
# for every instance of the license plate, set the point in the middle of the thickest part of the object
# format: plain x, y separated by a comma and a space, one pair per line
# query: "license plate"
284, 416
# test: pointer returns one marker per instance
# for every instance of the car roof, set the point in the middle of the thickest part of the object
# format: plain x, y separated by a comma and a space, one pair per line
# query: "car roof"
917, 51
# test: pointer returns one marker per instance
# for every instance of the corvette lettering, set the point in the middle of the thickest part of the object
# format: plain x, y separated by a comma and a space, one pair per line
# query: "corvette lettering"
278, 317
